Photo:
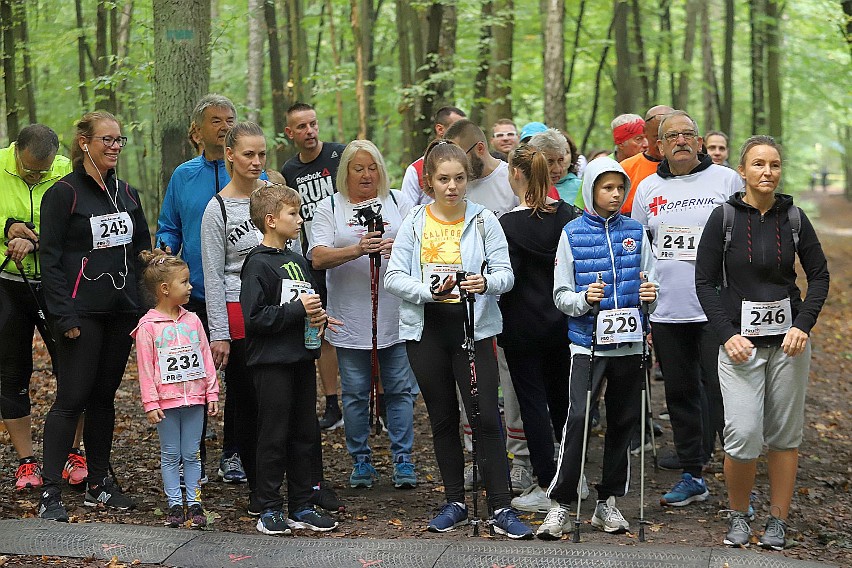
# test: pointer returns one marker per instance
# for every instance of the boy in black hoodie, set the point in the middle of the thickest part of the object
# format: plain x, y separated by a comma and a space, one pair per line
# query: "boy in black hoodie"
279, 305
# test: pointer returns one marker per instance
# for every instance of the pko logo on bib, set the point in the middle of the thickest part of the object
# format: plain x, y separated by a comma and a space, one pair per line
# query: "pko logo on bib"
629, 245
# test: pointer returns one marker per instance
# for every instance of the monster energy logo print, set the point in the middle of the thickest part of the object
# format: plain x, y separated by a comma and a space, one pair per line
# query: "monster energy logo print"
294, 271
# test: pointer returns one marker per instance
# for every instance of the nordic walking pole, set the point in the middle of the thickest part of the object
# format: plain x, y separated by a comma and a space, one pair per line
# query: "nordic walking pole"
646, 391
375, 223
646, 363
595, 309
467, 300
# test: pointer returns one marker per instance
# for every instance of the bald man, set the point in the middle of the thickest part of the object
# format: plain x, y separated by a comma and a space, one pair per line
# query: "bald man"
645, 163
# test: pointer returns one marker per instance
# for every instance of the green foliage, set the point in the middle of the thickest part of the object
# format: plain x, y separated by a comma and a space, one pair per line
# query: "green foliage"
816, 64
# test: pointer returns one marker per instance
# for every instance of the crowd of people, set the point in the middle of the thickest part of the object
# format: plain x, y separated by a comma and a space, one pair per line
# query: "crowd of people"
511, 264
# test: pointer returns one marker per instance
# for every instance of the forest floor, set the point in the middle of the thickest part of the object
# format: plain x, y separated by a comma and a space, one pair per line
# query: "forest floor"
822, 505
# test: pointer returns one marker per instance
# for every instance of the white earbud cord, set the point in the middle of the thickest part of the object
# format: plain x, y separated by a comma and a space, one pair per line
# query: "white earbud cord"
85, 259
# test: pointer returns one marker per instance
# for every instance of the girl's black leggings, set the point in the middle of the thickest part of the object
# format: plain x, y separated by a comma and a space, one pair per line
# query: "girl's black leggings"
439, 363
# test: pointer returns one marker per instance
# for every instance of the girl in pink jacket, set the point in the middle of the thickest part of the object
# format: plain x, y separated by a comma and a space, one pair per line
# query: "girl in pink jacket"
177, 379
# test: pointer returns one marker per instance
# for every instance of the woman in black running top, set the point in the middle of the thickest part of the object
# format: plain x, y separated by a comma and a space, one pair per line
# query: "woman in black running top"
93, 229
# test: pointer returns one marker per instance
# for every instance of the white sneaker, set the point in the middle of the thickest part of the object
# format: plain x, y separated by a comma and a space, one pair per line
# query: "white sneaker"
533, 500
608, 518
584, 489
521, 478
468, 477
557, 522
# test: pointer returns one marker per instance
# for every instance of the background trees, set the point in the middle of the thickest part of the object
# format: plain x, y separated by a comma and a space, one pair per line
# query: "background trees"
380, 69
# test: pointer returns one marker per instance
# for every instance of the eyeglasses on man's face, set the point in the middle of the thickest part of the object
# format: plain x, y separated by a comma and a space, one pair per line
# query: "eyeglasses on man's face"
688, 136
500, 135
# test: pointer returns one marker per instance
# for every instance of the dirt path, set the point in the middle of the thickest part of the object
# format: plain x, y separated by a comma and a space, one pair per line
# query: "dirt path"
820, 518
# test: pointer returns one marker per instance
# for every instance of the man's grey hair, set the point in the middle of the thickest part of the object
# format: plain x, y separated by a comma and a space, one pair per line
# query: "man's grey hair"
672, 115
624, 119
211, 100
40, 140
551, 140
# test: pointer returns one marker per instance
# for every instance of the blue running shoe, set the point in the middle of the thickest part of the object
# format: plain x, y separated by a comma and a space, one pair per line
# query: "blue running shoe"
688, 490
273, 521
452, 515
231, 469
506, 522
363, 474
404, 476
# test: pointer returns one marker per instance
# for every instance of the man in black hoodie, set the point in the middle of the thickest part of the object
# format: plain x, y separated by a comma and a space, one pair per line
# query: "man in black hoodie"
281, 360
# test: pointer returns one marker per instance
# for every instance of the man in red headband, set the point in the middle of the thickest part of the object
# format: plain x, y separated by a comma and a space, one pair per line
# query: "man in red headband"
628, 133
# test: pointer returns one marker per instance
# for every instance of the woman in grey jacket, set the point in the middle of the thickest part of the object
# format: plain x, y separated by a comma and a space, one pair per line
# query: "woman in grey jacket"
434, 242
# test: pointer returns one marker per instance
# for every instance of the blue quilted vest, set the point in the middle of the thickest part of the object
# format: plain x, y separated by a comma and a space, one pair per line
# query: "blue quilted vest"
613, 248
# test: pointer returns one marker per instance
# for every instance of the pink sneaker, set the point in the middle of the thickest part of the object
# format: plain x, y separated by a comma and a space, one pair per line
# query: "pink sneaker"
28, 475
76, 469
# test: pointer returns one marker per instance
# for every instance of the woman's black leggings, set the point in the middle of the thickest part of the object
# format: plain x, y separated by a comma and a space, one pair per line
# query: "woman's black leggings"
239, 382
439, 363
89, 371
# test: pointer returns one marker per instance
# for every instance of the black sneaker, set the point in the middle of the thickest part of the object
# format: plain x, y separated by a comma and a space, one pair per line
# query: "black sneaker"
309, 517
326, 498
50, 506
109, 494
669, 461
333, 418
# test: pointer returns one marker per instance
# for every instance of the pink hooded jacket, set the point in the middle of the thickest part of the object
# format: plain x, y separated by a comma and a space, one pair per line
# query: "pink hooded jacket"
156, 330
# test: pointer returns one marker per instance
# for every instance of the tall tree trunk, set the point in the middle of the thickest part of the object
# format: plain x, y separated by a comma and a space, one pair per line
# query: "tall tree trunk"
82, 48
406, 79
773, 70
576, 44
361, 16
335, 58
23, 34
682, 99
104, 92
847, 139
181, 76
254, 71
9, 75
500, 84
668, 46
624, 94
597, 95
483, 63
426, 70
447, 54
554, 65
122, 36
709, 89
726, 108
758, 108
297, 52
276, 83
637, 53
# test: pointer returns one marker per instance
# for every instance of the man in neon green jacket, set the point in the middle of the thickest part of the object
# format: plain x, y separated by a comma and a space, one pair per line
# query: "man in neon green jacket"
28, 168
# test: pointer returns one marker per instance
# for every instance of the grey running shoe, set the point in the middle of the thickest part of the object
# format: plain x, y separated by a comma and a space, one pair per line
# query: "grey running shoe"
739, 531
775, 534
608, 518
556, 523
521, 478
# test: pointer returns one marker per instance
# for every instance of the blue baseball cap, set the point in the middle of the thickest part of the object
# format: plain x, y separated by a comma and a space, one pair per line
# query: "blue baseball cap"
531, 129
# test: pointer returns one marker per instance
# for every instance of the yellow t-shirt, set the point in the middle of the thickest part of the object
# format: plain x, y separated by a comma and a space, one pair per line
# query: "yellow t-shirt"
440, 249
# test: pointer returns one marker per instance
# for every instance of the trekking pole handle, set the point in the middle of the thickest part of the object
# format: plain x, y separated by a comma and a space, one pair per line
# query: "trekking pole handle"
596, 307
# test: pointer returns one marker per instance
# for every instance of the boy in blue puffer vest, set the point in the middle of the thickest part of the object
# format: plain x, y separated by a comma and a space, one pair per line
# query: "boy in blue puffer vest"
601, 244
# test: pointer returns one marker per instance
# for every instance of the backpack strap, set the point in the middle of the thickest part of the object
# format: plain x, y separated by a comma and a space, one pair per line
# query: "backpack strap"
794, 215
728, 230
222, 208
